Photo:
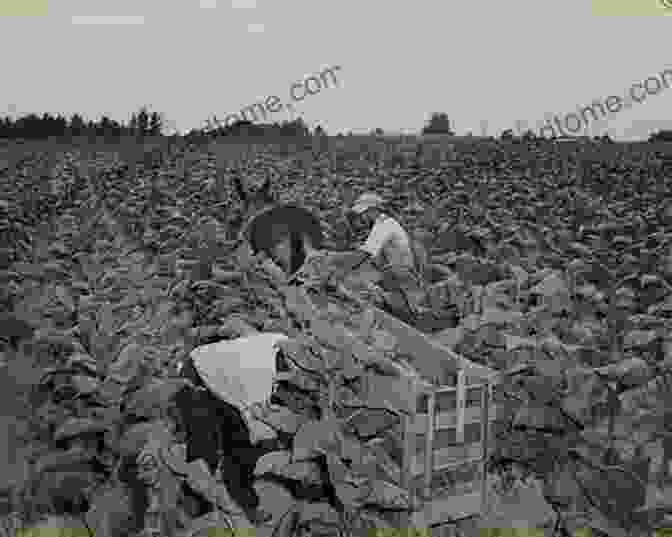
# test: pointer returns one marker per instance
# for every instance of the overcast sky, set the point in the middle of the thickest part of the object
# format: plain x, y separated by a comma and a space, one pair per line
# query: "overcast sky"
504, 62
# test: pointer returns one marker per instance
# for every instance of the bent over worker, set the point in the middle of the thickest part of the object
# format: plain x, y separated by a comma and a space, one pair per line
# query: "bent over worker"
229, 376
389, 248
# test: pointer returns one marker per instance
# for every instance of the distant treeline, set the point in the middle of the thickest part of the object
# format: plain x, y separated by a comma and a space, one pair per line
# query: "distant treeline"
34, 127
153, 124
144, 123
293, 129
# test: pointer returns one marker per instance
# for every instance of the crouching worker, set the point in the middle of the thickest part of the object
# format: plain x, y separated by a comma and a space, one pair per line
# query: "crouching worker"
390, 249
230, 376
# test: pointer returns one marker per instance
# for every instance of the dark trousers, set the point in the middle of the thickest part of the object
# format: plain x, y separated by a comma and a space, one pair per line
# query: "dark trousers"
217, 433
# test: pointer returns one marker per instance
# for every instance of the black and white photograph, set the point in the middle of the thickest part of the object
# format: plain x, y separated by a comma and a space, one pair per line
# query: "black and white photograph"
335, 269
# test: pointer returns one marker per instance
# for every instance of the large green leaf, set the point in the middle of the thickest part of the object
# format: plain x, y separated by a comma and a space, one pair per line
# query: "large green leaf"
155, 396
74, 427
111, 512
127, 365
315, 438
274, 499
272, 462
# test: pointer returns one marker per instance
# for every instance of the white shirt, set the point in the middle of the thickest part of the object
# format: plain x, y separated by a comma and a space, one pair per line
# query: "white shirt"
389, 241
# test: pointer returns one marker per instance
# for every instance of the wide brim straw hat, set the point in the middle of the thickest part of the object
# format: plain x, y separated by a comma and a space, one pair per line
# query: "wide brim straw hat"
366, 201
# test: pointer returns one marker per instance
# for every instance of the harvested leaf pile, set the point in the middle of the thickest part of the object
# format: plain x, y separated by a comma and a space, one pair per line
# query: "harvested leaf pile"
565, 288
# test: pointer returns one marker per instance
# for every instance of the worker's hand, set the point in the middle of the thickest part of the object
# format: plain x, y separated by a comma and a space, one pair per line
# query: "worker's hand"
334, 278
148, 463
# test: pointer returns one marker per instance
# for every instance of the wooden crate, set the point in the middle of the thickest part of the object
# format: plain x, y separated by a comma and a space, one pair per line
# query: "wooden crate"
445, 439
447, 468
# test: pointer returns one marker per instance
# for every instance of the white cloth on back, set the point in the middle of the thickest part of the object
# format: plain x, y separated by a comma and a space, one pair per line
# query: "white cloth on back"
240, 371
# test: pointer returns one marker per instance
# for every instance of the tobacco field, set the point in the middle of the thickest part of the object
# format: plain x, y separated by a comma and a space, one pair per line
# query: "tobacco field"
116, 262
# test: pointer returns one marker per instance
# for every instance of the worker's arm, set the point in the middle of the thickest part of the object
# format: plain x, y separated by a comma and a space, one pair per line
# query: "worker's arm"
347, 262
352, 261
379, 236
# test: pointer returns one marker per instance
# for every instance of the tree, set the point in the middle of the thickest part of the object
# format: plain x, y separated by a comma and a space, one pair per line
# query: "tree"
46, 126
242, 128
28, 126
529, 136
661, 136
296, 128
77, 125
155, 124
60, 125
507, 135
103, 128
142, 121
133, 124
214, 126
6, 127
438, 124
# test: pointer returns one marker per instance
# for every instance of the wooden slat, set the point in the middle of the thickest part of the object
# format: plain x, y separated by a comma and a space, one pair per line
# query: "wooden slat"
443, 509
432, 360
485, 439
445, 389
448, 420
408, 450
459, 426
453, 465
441, 421
477, 373
445, 458
429, 444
